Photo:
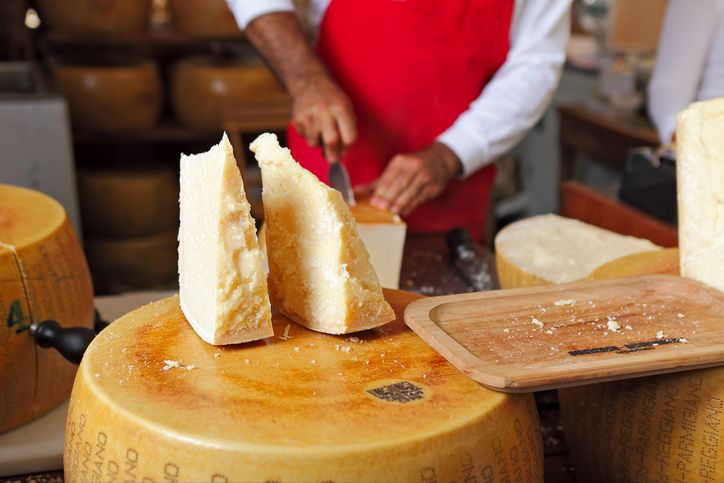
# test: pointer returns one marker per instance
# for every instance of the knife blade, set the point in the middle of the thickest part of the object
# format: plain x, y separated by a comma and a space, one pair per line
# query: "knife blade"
468, 263
339, 180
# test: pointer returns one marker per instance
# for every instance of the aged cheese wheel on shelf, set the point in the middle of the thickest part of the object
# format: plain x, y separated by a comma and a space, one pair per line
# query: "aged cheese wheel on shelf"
549, 249
95, 17
203, 88
203, 18
125, 264
43, 275
113, 95
128, 202
153, 401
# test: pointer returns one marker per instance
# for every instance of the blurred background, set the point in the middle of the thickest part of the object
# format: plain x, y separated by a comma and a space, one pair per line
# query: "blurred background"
99, 97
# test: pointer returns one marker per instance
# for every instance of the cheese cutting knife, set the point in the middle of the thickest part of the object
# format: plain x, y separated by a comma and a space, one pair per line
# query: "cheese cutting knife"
339, 180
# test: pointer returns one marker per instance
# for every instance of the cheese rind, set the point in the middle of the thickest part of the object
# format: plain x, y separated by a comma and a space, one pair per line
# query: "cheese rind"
319, 270
389, 409
222, 284
43, 275
700, 189
550, 249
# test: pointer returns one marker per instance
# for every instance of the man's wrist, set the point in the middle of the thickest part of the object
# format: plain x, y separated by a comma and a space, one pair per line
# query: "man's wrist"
451, 161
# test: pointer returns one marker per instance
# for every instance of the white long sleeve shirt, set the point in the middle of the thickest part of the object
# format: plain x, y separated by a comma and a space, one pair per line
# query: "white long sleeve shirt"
690, 63
514, 99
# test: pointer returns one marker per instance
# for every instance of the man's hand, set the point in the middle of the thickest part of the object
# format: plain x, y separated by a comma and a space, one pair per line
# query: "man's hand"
414, 178
321, 111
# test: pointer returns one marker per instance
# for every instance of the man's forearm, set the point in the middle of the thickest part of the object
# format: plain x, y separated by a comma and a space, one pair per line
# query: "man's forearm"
280, 39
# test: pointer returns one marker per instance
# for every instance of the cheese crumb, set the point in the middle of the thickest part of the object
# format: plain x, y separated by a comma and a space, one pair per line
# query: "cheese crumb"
605, 334
296, 349
537, 322
506, 330
660, 334
680, 315
170, 364
346, 348
286, 335
217, 354
628, 327
614, 326
354, 339
190, 367
549, 332
562, 302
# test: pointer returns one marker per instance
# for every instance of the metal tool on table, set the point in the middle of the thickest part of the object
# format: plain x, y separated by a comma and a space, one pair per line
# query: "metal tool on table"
467, 261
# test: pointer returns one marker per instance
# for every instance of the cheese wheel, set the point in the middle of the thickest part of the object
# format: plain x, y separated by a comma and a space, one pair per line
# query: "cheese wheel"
111, 96
128, 202
43, 275
125, 264
94, 17
203, 88
153, 401
549, 249
664, 262
203, 18
663, 428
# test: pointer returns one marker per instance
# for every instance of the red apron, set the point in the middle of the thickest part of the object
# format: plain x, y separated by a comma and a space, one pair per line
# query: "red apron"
410, 68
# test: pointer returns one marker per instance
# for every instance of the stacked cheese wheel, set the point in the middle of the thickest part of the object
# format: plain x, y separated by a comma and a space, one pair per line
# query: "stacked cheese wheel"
154, 401
130, 218
43, 275
663, 428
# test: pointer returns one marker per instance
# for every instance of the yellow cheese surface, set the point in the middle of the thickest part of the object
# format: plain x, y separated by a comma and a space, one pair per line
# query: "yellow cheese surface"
549, 249
43, 275
152, 401
320, 274
222, 284
700, 189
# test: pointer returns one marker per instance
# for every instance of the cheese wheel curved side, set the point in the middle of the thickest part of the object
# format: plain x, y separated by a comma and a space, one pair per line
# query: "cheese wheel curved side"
512, 276
50, 281
302, 406
663, 428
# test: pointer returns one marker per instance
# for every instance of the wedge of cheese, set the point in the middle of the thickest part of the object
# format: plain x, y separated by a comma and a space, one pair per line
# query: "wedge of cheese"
222, 284
383, 234
319, 271
700, 180
551, 249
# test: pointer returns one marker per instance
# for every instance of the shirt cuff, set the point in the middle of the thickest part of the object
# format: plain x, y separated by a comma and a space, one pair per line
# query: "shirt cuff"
470, 149
245, 11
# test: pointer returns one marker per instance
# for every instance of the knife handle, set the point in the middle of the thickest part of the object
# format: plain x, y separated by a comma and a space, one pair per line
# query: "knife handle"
460, 243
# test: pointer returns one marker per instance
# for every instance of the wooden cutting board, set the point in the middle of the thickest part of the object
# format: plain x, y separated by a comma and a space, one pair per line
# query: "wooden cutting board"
550, 337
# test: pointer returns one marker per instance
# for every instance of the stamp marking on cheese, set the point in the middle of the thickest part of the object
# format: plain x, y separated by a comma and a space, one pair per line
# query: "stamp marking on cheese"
402, 392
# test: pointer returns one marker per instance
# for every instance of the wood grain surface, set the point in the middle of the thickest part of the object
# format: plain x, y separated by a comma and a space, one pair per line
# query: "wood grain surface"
558, 336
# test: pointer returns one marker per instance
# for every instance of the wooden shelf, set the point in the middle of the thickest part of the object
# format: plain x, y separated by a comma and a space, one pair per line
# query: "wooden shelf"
166, 132
158, 39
